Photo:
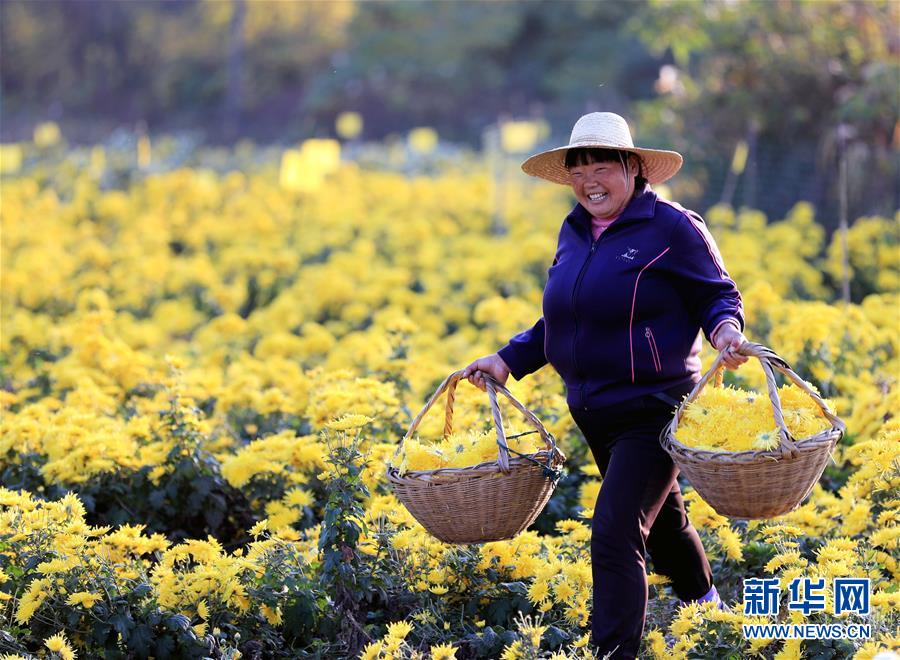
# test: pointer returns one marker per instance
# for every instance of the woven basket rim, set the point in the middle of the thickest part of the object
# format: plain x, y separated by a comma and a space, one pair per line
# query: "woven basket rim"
809, 444
492, 387
479, 469
787, 446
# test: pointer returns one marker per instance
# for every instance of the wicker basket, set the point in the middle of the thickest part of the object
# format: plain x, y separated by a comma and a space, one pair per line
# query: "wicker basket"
756, 484
485, 502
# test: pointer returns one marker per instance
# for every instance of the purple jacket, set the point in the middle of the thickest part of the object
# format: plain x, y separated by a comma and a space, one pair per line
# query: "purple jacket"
622, 314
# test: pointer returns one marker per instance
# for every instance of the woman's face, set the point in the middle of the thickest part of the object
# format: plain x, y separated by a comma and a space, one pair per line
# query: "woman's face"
604, 189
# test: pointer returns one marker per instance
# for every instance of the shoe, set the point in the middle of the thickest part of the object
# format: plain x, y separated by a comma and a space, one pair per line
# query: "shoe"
711, 595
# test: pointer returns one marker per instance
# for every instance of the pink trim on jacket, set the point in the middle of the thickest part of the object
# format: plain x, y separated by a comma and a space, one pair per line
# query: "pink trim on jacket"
714, 254
709, 248
654, 351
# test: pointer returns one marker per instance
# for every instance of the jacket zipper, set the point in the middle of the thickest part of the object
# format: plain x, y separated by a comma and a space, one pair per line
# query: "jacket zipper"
633, 304
575, 312
654, 352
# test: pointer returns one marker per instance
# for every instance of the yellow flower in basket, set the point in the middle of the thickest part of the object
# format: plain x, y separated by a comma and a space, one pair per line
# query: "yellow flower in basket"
461, 450
729, 419
752, 455
476, 486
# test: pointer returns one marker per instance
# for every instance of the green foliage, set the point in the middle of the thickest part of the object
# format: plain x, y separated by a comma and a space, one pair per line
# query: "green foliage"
700, 77
873, 257
22, 471
782, 76
343, 573
125, 621
303, 62
184, 497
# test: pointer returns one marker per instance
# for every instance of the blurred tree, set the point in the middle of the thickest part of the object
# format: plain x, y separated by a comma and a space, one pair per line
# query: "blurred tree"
57, 54
180, 62
235, 101
459, 66
282, 47
700, 76
781, 76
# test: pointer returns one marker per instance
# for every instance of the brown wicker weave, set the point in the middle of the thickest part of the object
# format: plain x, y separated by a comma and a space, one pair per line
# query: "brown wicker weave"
486, 502
759, 483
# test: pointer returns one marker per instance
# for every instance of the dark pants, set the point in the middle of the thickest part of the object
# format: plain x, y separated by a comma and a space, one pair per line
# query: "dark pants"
639, 509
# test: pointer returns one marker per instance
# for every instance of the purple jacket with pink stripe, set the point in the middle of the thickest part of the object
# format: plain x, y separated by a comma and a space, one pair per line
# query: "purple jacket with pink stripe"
622, 314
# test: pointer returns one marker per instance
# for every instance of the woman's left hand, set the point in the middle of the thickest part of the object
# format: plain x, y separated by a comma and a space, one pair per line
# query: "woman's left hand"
729, 339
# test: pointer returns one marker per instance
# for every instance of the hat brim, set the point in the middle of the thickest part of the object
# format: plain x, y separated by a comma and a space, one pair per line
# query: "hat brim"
658, 164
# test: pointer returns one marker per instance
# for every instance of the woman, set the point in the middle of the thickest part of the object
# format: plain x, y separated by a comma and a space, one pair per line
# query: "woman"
635, 281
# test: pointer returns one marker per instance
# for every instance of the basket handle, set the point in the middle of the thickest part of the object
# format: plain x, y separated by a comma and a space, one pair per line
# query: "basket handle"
769, 361
492, 386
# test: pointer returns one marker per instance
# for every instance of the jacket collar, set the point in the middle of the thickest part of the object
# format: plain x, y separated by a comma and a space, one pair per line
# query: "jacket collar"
641, 206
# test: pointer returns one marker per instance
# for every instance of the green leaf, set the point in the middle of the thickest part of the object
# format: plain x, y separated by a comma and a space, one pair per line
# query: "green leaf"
177, 622
300, 616
141, 590
556, 637
517, 588
140, 640
499, 611
214, 513
100, 632
157, 499
164, 647
123, 623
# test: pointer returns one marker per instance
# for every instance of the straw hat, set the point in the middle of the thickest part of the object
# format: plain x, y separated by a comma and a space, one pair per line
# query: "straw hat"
602, 130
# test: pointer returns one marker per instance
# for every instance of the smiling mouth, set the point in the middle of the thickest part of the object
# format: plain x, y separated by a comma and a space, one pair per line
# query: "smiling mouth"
597, 197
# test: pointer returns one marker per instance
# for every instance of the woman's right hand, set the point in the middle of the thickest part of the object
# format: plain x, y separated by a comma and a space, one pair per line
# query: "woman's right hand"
493, 365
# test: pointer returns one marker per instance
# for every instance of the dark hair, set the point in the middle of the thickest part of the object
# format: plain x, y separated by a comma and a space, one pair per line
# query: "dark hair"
588, 155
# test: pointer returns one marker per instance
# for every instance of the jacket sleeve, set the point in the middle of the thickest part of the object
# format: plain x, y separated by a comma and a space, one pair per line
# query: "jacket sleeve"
524, 354
711, 295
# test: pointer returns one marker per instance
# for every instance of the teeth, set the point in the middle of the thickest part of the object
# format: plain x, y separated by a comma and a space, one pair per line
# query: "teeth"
596, 196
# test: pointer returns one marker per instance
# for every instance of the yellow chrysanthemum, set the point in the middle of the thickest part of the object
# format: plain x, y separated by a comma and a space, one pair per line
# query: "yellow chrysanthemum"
729, 419
399, 629
60, 645
84, 598
443, 652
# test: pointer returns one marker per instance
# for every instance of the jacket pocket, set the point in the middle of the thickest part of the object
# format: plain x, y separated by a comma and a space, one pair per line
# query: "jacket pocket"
654, 351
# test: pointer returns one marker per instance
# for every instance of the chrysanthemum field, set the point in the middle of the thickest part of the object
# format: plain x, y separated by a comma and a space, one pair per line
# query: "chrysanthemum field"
205, 370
